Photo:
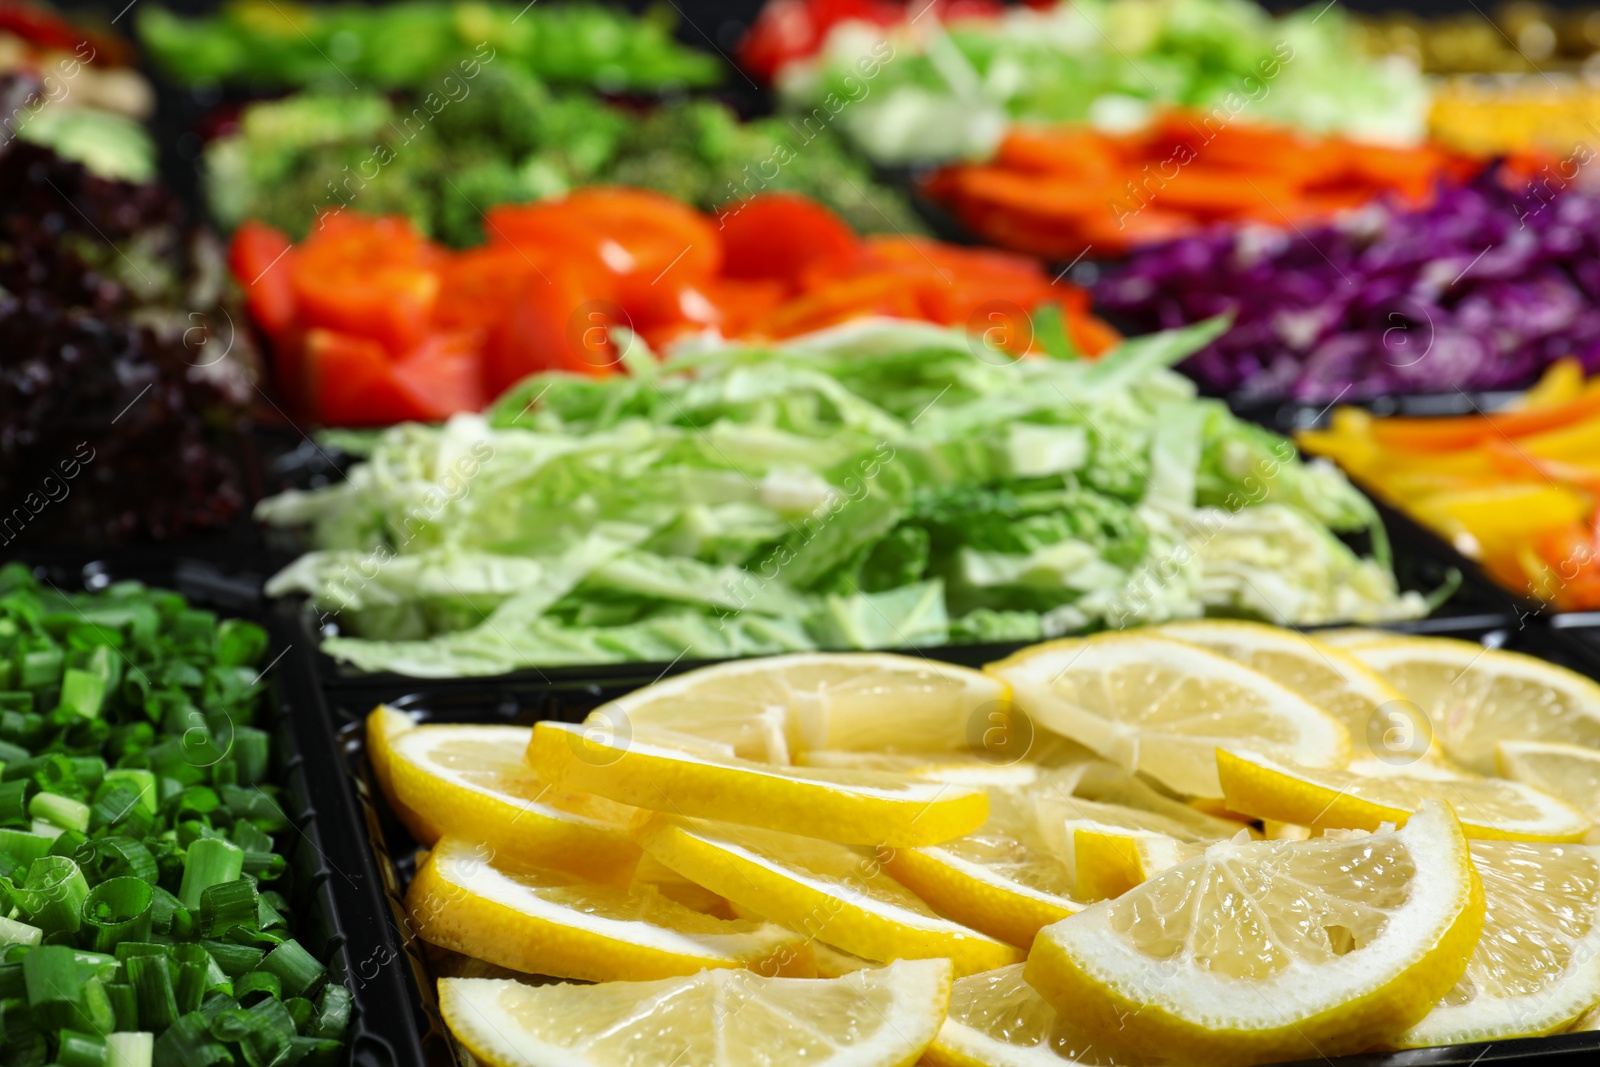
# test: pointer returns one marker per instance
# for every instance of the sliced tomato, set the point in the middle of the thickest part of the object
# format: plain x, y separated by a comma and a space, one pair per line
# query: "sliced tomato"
352, 382
261, 258
784, 237
370, 277
444, 374
478, 287
560, 321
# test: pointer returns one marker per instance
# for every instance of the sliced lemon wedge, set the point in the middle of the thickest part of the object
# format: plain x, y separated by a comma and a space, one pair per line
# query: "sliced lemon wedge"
882, 1017
1322, 798
1272, 950
540, 921
1162, 707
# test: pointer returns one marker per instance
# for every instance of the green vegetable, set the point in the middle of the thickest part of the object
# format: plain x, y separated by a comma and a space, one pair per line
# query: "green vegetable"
136, 840
878, 485
510, 139
411, 44
929, 96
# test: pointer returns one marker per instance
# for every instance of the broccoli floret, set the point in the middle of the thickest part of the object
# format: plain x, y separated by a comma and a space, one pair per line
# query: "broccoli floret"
500, 110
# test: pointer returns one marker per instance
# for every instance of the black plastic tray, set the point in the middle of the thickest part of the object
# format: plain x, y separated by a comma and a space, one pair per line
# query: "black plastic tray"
332, 881
393, 851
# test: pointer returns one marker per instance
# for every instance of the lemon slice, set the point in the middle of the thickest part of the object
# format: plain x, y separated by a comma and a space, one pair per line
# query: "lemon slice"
1272, 950
1374, 712
832, 892
1110, 860
384, 724
1001, 880
960, 768
835, 963
1321, 798
1350, 636
871, 1018
1162, 707
997, 1020
1477, 697
653, 874
541, 921
472, 781
856, 807
1570, 772
770, 709
1537, 965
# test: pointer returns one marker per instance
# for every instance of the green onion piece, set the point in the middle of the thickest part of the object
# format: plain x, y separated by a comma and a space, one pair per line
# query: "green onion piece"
151, 979
67, 842
226, 905
12, 984
44, 829
10, 753
190, 988
113, 805
240, 643
117, 910
36, 670
55, 988
23, 846
117, 856
333, 1012
130, 1049
272, 1028
53, 895
83, 694
162, 908
16, 932
188, 1043
14, 801
269, 917
183, 924
252, 752
24, 1042
10, 870
255, 804
209, 861
129, 949
250, 837
124, 1004
88, 771
76, 1049
235, 960
57, 810
142, 781
301, 1010
256, 985
299, 970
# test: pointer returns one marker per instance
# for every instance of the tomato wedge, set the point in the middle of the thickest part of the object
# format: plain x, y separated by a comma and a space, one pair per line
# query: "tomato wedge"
559, 322
783, 236
374, 278
261, 258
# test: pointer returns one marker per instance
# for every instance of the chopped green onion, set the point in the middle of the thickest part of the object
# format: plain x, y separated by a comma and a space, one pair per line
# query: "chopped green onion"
124, 1004
256, 985
256, 804
23, 846
82, 693
15, 932
226, 905
188, 1043
14, 800
77, 1049
135, 1049
252, 750
142, 781
46, 830
12, 984
236, 960
333, 1012
57, 810
151, 979
59, 995
162, 909
297, 968
52, 896
118, 910
209, 861
116, 856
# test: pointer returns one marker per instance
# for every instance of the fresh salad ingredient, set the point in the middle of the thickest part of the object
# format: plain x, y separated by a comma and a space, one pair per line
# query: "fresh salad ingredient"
80, 63
1506, 991
1560, 768
406, 45
510, 139
1476, 699
373, 324
875, 1018
1336, 945
1340, 933
126, 368
1517, 490
922, 89
1064, 192
1117, 692
1551, 113
875, 486
143, 851
1481, 289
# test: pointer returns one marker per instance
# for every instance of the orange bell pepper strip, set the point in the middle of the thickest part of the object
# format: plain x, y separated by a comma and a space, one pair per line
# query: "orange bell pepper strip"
1447, 434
